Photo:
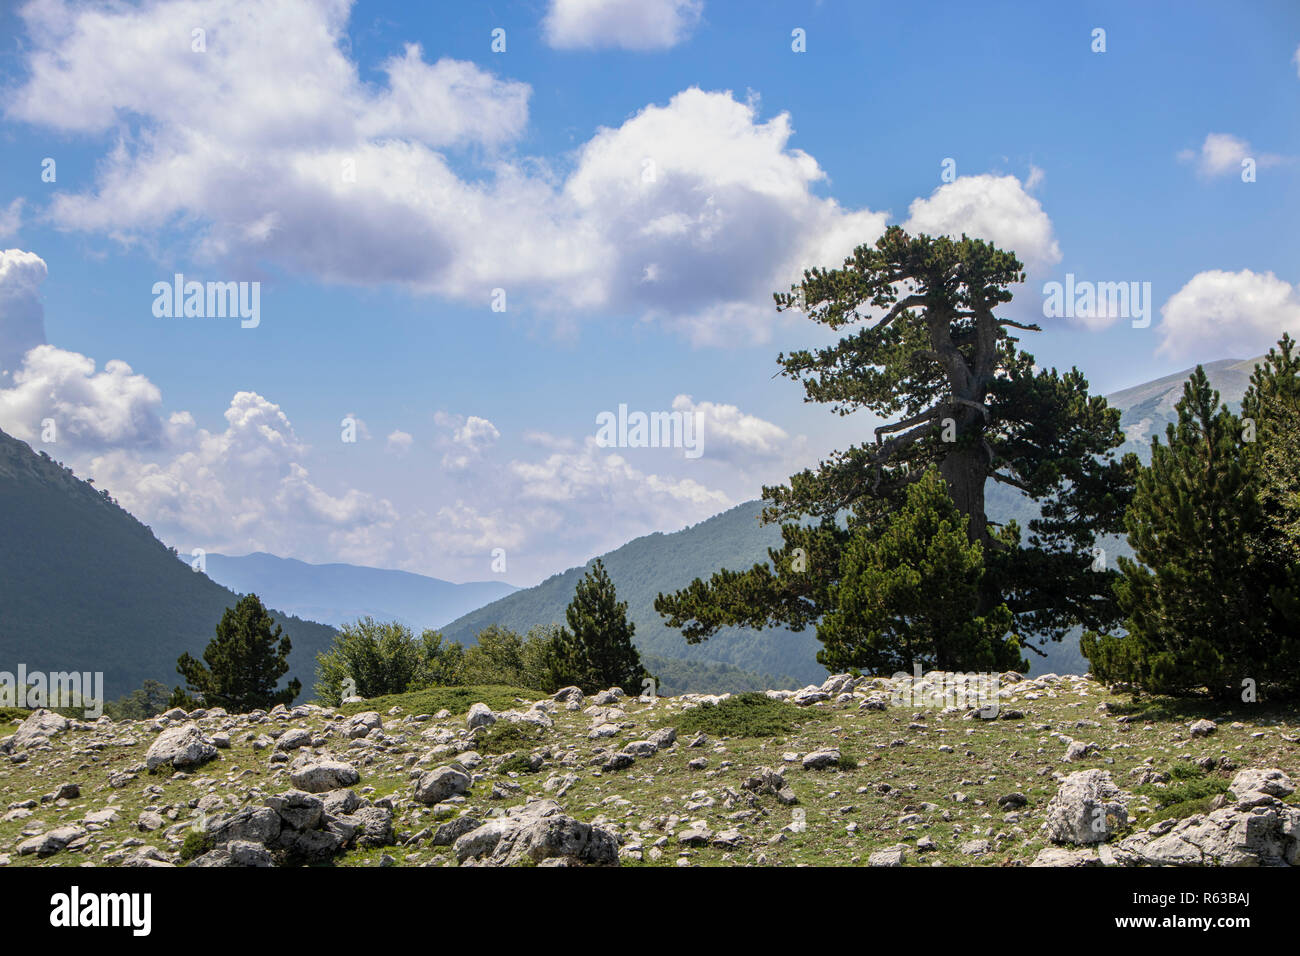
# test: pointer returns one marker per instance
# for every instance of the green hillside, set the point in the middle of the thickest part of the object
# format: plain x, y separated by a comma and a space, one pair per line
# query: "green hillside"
643, 568
84, 586
659, 562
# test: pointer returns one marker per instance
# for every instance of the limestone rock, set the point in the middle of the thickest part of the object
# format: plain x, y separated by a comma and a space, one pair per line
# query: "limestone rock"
480, 715
538, 833
181, 747
1087, 808
437, 785
318, 776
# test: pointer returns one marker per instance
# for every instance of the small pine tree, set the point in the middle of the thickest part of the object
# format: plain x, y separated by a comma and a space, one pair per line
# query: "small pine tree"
1197, 601
244, 663
595, 651
910, 594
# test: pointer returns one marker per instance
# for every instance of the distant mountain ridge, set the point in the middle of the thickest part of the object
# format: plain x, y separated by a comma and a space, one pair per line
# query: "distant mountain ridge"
84, 586
660, 562
1149, 407
335, 594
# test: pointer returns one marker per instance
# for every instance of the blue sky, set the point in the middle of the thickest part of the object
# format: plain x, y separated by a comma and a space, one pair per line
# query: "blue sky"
526, 170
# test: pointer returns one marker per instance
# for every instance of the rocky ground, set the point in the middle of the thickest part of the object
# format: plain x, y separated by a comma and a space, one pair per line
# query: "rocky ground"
1063, 773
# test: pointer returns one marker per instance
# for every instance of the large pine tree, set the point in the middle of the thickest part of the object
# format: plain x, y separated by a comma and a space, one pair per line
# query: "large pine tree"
242, 665
930, 351
595, 651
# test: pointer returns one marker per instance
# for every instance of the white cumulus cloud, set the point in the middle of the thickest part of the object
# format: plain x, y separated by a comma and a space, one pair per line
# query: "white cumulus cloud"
629, 24
1220, 314
690, 213
11, 218
997, 209
89, 409
22, 317
728, 433
1222, 154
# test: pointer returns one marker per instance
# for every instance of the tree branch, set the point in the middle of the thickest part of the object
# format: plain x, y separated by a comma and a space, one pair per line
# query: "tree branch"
927, 416
911, 302
1031, 327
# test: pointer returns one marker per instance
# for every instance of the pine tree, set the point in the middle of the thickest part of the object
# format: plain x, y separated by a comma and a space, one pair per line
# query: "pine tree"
910, 595
1197, 601
969, 403
595, 651
1271, 407
242, 665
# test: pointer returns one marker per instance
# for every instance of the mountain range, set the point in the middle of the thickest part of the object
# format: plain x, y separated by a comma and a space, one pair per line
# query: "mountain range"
86, 586
643, 568
335, 594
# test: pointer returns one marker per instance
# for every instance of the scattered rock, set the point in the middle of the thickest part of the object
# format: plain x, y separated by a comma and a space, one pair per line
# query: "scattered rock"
363, 725
1087, 808
1249, 785
294, 739
51, 841
538, 833
318, 776
821, 759
1060, 856
889, 856
480, 715
35, 730
453, 830
181, 748
437, 785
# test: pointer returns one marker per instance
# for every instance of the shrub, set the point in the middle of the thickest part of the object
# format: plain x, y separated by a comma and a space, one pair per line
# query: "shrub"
517, 763
507, 735
1190, 790
195, 844
746, 715
385, 658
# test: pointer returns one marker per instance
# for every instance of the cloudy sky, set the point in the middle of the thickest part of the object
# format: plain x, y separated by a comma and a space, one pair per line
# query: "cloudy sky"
476, 227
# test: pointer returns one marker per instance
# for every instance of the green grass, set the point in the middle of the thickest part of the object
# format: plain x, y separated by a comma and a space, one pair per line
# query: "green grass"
1190, 790
746, 715
457, 700
923, 761
505, 736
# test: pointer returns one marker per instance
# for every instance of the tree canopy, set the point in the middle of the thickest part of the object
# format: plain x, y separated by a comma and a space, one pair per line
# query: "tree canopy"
924, 345
242, 665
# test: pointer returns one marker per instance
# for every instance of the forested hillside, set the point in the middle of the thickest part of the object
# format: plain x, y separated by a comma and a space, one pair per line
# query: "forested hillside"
84, 586
656, 563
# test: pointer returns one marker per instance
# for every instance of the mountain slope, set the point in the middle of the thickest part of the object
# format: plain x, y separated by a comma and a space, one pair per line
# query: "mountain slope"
643, 568
1149, 407
84, 586
338, 593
